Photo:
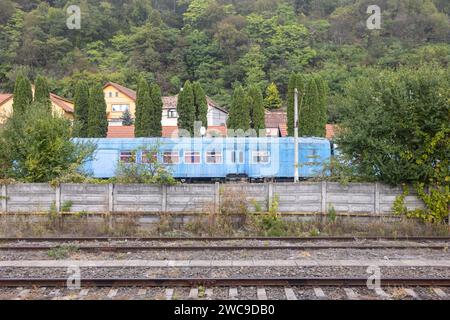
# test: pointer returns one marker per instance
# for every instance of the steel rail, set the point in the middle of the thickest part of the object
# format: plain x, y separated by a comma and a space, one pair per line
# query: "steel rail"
120, 248
189, 282
168, 239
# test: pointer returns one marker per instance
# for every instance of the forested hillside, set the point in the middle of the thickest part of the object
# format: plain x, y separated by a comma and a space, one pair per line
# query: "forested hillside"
220, 43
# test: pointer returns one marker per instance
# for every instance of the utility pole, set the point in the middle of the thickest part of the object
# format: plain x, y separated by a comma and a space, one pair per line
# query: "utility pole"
295, 135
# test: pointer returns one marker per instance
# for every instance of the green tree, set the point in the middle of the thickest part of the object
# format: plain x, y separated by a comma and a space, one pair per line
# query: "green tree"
201, 105
395, 125
97, 120
81, 109
156, 110
126, 118
272, 99
143, 109
256, 108
308, 121
42, 93
23, 96
295, 81
186, 108
37, 147
239, 115
321, 108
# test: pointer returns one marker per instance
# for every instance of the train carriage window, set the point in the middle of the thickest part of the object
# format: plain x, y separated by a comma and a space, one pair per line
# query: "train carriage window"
149, 157
237, 156
312, 153
127, 156
260, 156
171, 157
213, 157
192, 157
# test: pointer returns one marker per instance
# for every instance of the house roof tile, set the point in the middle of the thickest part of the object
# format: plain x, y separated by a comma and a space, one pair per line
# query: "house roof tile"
167, 131
65, 104
168, 101
330, 131
126, 91
5, 97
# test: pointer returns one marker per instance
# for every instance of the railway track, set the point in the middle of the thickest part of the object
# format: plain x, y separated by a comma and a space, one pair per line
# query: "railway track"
208, 282
119, 244
188, 275
127, 248
169, 239
225, 288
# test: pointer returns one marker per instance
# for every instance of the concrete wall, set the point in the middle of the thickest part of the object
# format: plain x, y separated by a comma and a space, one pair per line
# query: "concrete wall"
368, 198
28, 197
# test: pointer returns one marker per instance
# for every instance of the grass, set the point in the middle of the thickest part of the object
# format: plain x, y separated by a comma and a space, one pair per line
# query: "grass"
217, 224
61, 252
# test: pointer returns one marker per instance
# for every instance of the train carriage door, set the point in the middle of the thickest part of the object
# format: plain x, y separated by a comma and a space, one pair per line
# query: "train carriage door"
236, 157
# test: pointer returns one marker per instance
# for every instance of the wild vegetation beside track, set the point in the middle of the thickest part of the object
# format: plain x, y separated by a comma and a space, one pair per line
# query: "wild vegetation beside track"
205, 225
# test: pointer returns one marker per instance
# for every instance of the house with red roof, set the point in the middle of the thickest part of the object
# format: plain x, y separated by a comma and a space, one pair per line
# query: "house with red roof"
119, 98
60, 106
276, 125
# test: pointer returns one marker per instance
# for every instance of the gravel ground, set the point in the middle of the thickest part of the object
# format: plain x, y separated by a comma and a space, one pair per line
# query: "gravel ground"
246, 293
226, 272
275, 293
305, 294
310, 241
73, 254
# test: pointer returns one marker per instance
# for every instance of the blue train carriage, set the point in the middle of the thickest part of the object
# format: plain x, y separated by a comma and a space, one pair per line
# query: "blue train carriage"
314, 153
214, 158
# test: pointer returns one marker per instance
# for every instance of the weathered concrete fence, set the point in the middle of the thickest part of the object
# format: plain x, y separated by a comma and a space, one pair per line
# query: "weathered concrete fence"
304, 197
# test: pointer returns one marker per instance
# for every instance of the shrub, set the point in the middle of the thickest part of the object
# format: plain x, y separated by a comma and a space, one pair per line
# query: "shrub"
150, 170
271, 223
37, 147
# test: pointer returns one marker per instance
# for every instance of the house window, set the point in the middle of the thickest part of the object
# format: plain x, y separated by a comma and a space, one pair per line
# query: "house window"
172, 113
237, 157
120, 107
171, 157
117, 94
213, 157
260, 156
110, 94
192, 157
127, 157
149, 157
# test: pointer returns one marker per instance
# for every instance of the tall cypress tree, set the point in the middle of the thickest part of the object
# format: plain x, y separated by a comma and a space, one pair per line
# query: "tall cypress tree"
295, 81
256, 108
42, 93
156, 111
239, 115
146, 115
322, 104
81, 109
186, 108
143, 109
201, 105
23, 95
97, 123
308, 121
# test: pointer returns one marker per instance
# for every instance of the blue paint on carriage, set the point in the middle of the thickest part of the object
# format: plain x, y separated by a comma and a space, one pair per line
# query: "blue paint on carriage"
252, 157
